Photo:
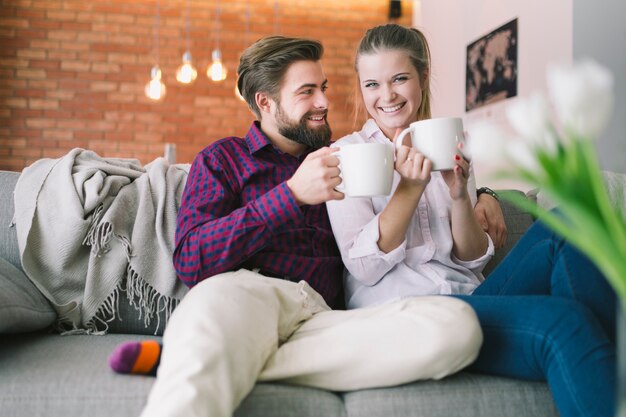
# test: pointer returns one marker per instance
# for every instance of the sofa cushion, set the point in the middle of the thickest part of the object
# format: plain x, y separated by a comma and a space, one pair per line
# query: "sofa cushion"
54, 375
22, 307
461, 395
272, 399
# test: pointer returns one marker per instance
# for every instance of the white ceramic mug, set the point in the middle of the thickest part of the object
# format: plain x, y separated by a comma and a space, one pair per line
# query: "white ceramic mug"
437, 139
366, 169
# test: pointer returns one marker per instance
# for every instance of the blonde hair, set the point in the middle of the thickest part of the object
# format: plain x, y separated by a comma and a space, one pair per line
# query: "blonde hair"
397, 38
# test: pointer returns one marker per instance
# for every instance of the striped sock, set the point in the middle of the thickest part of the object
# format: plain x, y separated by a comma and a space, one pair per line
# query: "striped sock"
136, 358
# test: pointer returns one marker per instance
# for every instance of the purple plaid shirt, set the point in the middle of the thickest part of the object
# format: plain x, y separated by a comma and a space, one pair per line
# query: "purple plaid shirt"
237, 212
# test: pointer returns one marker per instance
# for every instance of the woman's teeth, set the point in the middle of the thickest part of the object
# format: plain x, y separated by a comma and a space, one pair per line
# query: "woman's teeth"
392, 108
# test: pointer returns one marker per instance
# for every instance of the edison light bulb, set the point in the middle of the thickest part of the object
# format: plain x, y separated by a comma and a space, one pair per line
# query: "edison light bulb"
217, 71
186, 73
155, 89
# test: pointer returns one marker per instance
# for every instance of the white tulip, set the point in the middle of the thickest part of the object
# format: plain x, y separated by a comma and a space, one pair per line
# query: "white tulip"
487, 145
582, 95
520, 154
528, 115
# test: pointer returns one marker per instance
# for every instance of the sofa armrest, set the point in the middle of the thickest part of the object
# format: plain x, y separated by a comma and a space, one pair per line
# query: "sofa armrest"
8, 235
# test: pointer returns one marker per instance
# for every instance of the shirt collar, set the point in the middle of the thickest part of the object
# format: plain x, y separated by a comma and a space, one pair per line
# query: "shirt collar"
255, 138
371, 130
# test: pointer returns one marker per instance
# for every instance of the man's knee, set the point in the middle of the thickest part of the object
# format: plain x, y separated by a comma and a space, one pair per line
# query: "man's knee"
447, 338
459, 337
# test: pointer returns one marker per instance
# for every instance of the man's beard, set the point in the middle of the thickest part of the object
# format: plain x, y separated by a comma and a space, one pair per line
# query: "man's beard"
300, 132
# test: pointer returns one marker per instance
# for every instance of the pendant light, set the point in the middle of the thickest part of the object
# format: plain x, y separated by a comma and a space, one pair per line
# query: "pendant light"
187, 73
155, 89
216, 71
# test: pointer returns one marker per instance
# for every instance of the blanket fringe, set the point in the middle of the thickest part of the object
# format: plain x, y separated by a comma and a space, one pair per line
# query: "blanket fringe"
66, 327
147, 300
141, 295
99, 233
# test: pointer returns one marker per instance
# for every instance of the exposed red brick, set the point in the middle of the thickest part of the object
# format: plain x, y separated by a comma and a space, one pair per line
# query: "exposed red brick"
72, 73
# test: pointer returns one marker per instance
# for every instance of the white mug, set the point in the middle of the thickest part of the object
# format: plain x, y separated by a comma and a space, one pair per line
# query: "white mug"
366, 169
437, 139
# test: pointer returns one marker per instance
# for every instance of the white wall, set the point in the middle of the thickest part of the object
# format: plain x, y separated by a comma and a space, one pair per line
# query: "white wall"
600, 33
545, 35
549, 31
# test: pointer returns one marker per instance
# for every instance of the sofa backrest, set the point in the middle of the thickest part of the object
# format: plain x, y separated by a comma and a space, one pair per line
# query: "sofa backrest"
129, 320
517, 222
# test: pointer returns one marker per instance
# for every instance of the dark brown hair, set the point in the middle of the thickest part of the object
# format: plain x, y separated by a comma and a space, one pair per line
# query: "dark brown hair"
263, 64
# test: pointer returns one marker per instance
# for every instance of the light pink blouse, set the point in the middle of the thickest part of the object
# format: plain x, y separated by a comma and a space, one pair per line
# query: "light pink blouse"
422, 265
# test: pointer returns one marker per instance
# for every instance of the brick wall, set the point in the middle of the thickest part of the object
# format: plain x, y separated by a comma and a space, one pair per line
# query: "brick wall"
72, 72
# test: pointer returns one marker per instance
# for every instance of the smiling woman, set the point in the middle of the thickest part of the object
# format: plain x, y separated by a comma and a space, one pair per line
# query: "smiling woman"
393, 95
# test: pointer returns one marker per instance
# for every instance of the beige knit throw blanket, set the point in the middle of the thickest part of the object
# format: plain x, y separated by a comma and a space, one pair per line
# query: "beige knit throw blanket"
90, 227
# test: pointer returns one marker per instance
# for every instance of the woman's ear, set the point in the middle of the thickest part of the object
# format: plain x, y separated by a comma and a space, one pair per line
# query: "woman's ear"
425, 76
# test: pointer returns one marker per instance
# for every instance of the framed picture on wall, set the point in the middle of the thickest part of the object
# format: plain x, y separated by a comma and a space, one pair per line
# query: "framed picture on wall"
491, 67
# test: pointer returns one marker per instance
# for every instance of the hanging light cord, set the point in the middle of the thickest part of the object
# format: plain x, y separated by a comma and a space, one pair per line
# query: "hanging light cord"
247, 16
188, 25
217, 25
157, 24
276, 17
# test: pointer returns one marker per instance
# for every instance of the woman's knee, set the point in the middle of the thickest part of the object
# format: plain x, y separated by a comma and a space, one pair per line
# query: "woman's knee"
560, 323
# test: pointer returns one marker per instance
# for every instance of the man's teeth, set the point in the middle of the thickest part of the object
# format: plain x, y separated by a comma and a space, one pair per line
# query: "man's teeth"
392, 109
316, 118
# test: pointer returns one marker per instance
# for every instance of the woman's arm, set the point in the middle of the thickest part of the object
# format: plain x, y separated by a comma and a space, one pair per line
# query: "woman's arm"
469, 240
372, 243
394, 220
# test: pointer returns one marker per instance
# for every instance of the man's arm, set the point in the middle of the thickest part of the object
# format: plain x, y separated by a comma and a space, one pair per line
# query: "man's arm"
489, 215
214, 232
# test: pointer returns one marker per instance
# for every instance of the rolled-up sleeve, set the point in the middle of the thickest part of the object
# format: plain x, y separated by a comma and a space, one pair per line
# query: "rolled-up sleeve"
356, 229
477, 265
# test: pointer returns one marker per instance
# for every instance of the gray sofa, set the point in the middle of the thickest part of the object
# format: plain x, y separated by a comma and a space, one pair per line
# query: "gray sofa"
45, 374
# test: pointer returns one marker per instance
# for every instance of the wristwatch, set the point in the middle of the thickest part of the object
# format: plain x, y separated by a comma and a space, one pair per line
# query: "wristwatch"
487, 190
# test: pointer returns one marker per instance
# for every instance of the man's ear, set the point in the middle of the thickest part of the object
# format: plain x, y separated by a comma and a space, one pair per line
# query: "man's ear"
263, 102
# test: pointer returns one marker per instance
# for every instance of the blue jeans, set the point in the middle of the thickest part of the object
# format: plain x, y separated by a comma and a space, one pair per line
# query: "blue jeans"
548, 314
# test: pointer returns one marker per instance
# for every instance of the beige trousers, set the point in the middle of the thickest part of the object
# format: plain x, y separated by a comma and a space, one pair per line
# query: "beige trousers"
239, 327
